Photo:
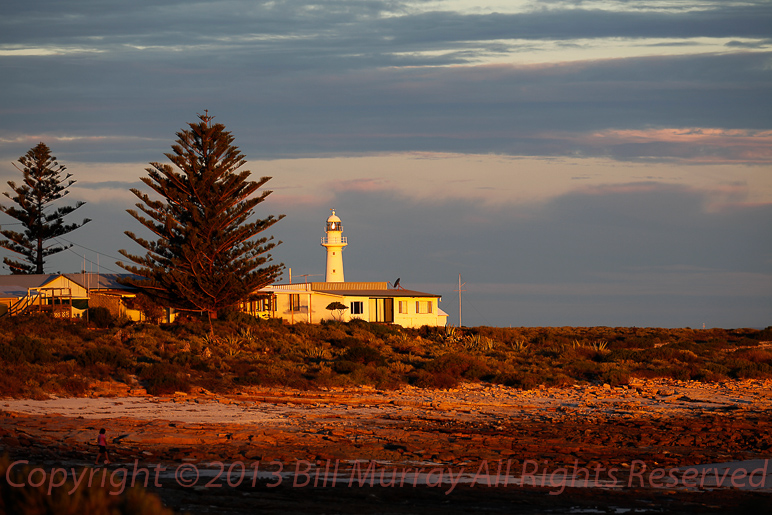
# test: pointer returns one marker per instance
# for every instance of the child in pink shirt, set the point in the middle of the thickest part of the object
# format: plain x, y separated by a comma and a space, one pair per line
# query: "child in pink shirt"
102, 443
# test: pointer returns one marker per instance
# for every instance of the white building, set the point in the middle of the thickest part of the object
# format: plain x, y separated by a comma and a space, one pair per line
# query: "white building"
69, 295
370, 301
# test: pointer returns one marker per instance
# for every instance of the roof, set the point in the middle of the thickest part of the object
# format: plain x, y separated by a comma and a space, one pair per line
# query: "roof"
101, 281
26, 281
390, 293
12, 292
348, 289
17, 285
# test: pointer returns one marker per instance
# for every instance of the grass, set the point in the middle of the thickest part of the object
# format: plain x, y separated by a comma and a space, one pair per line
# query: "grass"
42, 356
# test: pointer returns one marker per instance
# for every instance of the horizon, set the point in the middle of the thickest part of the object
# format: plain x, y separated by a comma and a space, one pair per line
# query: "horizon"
578, 163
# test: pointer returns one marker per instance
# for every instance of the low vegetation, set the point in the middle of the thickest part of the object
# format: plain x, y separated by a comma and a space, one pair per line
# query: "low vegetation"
28, 491
42, 356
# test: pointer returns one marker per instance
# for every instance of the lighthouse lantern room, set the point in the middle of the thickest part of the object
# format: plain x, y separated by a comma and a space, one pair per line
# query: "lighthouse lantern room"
334, 243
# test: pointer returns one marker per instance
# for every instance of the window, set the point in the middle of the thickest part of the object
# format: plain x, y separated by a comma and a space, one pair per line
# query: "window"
423, 306
357, 308
294, 299
262, 304
266, 304
402, 307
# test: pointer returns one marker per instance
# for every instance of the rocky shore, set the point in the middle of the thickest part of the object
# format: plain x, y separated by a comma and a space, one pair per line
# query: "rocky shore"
536, 441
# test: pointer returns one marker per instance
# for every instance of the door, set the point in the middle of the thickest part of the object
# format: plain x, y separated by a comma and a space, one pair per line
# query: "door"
384, 310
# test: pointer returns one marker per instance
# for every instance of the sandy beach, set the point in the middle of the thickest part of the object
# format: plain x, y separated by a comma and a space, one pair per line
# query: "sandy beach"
534, 441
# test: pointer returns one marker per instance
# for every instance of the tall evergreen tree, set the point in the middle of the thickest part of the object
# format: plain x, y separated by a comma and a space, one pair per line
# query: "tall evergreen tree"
44, 183
207, 256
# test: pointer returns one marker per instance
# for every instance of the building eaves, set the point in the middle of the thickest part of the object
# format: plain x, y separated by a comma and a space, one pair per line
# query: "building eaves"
391, 293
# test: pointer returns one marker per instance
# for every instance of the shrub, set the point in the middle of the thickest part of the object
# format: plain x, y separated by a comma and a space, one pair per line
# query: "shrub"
345, 366
615, 377
152, 311
11, 354
558, 379
683, 372
624, 355
106, 355
101, 317
364, 355
426, 379
521, 380
586, 370
345, 342
163, 378
755, 355
376, 376
25, 349
73, 385
750, 370
458, 365
29, 500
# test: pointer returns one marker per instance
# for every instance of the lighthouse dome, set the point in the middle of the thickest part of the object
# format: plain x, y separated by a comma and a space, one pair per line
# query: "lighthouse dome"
333, 223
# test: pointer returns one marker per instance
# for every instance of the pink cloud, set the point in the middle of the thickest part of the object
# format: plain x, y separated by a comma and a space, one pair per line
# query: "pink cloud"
279, 199
693, 145
361, 185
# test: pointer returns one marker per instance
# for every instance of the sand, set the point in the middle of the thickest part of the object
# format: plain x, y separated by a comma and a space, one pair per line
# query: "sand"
523, 436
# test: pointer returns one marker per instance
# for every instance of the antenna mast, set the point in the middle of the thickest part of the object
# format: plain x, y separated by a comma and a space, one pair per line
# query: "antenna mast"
459, 290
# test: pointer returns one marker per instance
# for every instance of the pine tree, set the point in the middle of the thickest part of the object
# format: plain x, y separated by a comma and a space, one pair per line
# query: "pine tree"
44, 184
207, 256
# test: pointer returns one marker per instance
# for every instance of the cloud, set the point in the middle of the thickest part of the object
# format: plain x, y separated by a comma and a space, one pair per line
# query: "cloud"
297, 79
408, 19
359, 185
687, 145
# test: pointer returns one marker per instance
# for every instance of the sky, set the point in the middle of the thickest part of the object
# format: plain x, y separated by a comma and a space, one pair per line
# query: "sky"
577, 163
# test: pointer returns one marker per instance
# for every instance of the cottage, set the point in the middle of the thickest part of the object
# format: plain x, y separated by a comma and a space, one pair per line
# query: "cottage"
69, 295
370, 301
55, 294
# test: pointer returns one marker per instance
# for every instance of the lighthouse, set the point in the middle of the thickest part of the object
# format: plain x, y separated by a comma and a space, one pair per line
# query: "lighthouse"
334, 243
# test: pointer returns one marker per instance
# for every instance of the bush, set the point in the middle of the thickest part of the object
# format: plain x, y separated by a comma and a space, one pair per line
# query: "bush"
164, 378
73, 385
148, 307
29, 500
458, 365
11, 354
24, 349
750, 370
345, 366
586, 370
521, 380
364, 355
755, 355
425, 379
101, 317
106, 355
345, 342
615, 377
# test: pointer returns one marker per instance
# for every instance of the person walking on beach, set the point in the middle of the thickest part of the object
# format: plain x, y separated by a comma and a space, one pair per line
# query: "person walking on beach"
102, 443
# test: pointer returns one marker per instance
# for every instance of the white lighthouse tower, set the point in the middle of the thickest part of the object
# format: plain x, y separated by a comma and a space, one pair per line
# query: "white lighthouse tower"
334, 243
